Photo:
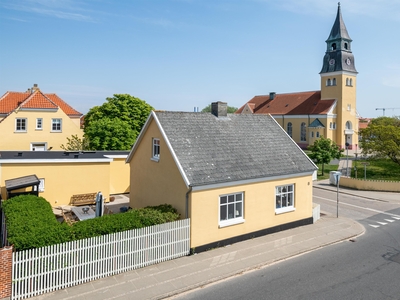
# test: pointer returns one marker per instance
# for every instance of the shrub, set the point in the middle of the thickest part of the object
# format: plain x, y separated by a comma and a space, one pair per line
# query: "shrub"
31, 223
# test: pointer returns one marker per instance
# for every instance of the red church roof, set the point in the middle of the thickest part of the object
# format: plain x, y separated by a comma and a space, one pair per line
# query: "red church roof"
303, 103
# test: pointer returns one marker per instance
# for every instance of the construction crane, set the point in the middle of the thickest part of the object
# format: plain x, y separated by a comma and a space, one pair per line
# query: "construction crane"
385, 108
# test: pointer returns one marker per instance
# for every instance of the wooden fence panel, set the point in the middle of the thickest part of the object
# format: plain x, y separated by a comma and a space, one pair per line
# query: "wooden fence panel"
42, 270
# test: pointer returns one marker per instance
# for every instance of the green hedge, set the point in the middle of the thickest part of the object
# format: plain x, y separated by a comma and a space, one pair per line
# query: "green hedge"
32, 224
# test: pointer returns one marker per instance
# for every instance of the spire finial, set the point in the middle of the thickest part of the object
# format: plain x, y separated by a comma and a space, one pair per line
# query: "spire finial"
338, 3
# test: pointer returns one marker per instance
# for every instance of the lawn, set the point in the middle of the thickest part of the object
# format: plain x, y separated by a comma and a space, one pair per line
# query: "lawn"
377, 169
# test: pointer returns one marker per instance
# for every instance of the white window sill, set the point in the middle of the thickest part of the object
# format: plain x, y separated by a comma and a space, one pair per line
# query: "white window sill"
279, 211
231, 222
20, 131
156, 159
56, 131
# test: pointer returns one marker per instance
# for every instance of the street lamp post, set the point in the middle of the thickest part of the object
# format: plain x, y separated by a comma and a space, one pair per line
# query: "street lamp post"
347, 159
337, 179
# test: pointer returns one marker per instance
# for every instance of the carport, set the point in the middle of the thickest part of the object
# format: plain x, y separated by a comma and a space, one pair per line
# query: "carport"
24, 182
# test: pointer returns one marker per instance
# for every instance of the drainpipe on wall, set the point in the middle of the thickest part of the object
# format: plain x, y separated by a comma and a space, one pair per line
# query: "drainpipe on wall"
187, 202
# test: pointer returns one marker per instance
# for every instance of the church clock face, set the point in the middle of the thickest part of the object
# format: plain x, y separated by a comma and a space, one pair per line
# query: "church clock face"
332, 62
348, 61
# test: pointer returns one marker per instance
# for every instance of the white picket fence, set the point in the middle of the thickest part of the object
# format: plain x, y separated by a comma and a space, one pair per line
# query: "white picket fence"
51, 268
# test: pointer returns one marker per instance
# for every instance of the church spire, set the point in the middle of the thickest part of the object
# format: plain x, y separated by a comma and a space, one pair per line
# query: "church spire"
339, 29
338, 56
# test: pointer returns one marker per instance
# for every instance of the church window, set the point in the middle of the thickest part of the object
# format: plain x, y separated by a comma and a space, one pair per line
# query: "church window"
317, 134
346, 46
348, 107
348, 125
334, 81
334, 125
289, 129
312, 134
303, 137
330, 125
328, 82
351, 82
333, 46
347, 81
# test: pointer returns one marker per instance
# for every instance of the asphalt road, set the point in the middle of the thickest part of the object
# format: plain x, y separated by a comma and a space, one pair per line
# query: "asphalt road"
365, 268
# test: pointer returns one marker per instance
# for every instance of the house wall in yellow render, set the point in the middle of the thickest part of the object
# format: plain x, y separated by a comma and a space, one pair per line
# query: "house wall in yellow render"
152, 182
62, 180
119, 175
12, 140
259, 209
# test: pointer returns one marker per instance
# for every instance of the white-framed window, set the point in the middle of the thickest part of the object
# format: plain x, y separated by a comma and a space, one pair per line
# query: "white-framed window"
39, 124
56, 125
21, 124
231, 209
284, 198
289, 129
38, 146
41, 185
312, 134
317, 134
334, 125
303, 132
156, 149
330, 125
334, 81
348, 125
348, 107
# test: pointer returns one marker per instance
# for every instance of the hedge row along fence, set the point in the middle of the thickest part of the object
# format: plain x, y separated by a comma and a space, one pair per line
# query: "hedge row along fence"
31, 222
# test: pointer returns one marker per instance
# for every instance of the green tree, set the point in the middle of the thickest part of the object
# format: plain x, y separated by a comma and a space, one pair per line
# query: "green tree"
381, 138
75, 143
116, 124
323, 151
231, 109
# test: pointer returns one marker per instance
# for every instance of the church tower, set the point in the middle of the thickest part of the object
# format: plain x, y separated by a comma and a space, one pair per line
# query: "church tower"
338, 81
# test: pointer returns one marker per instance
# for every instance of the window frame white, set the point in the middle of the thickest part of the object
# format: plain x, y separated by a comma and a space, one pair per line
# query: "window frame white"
238, 208
25, 125
54, 122
39, 124
41, 185
155, 149
282, 195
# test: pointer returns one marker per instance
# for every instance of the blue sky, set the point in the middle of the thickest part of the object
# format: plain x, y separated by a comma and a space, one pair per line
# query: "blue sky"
181, 54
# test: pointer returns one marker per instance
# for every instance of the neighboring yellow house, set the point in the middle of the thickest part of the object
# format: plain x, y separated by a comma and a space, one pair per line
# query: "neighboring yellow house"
334, 106
64, 174
36, 121
235, 176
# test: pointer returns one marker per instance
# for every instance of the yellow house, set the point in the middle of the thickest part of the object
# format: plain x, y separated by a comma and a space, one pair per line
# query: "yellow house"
64, 174
36, 121
334, 106
235, 176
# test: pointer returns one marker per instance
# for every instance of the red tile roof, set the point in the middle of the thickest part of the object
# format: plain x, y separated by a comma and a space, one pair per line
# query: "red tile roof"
302, 103
12, 100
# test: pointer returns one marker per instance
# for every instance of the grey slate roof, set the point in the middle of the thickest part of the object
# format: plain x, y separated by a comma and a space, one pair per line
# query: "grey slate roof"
316, 124
237, 147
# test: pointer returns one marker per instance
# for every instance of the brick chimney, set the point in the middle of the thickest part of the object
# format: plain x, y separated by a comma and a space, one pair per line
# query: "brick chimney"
219, 109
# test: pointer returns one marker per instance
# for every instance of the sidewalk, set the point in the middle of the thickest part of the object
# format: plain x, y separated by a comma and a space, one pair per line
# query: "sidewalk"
183, 274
